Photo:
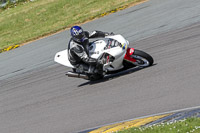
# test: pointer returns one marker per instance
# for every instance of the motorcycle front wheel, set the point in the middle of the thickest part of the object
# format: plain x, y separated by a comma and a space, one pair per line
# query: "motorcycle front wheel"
142, 59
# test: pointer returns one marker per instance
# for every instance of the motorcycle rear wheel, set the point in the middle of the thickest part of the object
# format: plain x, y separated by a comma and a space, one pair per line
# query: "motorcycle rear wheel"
94, 77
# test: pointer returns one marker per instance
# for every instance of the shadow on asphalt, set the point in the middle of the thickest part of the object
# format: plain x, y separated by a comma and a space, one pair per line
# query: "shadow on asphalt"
114, 75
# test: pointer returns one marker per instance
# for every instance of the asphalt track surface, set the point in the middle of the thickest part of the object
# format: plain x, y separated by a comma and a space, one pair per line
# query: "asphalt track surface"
37, 97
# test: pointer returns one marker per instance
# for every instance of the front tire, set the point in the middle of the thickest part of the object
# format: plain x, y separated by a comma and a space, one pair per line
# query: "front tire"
142, 59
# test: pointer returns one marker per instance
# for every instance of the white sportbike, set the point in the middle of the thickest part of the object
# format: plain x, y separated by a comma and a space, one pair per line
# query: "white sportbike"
115, 54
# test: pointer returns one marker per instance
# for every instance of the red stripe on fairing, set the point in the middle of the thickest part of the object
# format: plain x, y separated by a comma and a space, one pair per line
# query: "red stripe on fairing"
128, 54
108, 59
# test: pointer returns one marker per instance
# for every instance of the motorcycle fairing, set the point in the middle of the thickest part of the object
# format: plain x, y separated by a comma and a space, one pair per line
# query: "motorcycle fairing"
99, 47
62, 58
119, 56
128, 54
96, 49
120, 39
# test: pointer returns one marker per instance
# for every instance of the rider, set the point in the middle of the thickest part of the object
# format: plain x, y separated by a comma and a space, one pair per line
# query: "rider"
78, 49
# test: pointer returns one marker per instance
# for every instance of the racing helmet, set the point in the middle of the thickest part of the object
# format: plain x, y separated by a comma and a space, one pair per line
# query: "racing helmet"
77, 34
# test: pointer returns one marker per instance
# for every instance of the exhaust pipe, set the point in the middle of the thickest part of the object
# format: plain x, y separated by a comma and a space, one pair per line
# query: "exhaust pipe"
77, 75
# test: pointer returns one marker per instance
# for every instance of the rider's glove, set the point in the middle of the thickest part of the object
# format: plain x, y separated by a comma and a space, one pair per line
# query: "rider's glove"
93, 34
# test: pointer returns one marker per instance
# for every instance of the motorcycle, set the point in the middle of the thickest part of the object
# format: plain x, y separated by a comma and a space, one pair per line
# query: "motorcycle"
113, 51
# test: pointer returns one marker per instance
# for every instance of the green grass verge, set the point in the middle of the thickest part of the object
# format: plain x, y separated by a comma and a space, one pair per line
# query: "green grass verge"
190, 125
31, 20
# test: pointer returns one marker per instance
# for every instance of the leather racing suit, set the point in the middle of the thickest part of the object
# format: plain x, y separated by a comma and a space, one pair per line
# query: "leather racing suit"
78, 53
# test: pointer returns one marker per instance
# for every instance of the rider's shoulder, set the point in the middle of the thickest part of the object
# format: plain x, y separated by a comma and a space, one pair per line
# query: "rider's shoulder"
74, 43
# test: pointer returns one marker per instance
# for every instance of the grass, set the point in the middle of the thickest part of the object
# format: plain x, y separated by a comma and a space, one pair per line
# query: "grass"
31, 20
190, 125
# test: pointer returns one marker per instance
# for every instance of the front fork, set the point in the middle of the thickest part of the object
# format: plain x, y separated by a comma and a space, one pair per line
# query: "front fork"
129, 52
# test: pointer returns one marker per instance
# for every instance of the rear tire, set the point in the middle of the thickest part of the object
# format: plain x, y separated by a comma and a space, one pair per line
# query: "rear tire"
95, 77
